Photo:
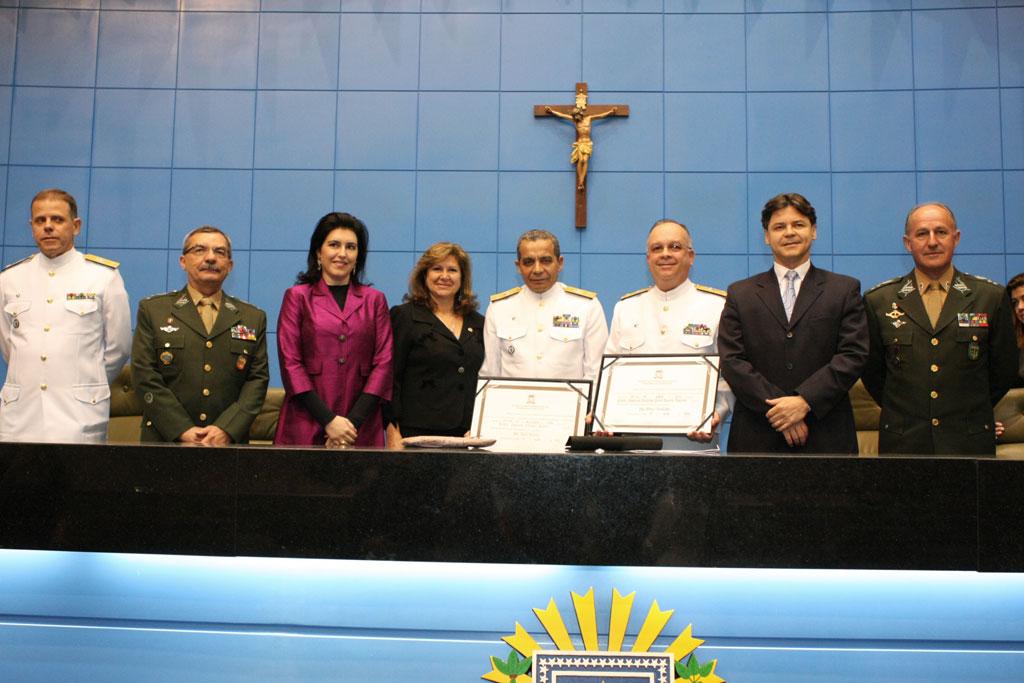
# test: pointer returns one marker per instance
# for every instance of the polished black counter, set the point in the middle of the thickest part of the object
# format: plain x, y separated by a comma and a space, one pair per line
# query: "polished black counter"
476, 506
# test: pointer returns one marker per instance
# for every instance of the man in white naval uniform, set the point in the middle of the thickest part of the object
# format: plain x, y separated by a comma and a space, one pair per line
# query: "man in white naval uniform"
65, 332
673, 316
545, 330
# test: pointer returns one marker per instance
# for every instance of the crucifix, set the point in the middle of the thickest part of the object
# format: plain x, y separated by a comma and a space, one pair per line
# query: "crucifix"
581, 115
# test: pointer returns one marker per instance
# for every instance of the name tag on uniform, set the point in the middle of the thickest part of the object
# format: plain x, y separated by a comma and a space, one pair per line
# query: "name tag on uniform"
972, 319
565, 320
244, 333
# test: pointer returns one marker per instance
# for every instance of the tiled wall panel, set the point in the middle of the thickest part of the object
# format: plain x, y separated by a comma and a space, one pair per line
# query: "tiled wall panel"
261, 115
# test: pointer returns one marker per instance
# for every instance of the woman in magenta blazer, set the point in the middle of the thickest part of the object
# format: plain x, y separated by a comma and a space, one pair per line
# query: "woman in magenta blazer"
334, 343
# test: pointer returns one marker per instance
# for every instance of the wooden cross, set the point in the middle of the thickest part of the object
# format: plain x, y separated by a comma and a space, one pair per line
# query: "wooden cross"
581, 115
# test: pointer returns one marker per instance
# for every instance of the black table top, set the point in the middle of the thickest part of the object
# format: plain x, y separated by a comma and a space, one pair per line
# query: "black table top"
478, 506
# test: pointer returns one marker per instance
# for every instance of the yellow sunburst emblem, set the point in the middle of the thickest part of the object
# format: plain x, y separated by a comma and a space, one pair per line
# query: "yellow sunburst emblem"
667, 666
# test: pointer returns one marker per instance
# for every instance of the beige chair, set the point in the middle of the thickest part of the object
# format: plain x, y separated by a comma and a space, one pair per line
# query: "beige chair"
126, 412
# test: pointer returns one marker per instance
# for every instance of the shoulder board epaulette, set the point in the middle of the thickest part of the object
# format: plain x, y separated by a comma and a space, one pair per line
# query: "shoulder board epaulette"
632, 294
982, 278
155, 296
506, 294
890, 281
710, 290
586, 293
17, 263
102, 261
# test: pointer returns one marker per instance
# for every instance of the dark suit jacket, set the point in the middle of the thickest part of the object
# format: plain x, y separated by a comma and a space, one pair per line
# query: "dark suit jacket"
339, 354
187, 377
435, 373
937, 386
818, 354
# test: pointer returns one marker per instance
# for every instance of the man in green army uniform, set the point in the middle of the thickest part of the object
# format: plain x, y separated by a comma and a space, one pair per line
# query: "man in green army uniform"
943, 350
199, 356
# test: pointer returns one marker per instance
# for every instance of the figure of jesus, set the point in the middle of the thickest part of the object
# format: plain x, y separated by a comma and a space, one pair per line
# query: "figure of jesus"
584, 146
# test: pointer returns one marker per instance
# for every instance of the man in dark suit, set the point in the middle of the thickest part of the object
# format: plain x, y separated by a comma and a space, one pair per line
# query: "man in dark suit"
792, 341
943, 349
199, 356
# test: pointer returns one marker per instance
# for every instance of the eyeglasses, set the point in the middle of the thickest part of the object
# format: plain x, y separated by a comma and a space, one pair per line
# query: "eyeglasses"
200, 250
671, 247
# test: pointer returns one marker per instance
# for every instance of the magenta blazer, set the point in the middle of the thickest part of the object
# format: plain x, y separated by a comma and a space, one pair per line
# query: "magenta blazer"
338, 354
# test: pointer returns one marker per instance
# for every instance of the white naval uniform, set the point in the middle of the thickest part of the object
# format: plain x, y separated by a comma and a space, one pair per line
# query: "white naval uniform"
559, 334
65, 332
681, 320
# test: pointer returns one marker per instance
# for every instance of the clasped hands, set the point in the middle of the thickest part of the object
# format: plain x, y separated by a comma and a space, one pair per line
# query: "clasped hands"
786, 415
341, 433
211, 435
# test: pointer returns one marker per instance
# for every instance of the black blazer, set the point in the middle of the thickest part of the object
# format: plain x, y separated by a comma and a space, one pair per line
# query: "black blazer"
819, 354
435, 373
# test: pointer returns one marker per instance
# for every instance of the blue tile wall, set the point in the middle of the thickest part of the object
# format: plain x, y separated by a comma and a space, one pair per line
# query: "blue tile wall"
5, 122
416, 115
524, 66
39, 31
8, 31
133, 127
138, 49
210, 197
1013, 127
295, 129
299, 51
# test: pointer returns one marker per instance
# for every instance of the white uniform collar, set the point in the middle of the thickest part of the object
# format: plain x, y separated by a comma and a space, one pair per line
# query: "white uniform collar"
553, 291
781, 270
675, 293
47, 263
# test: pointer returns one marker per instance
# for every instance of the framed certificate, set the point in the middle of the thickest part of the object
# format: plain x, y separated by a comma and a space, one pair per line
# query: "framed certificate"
656, 394
535, 415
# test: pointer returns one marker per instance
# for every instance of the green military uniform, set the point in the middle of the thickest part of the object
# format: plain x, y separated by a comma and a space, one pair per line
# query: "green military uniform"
187, 377
937, 385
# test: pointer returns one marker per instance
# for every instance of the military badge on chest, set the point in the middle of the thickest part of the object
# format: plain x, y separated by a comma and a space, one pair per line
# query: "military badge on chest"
244, 333
972, 320
565, 320
896, 315
698, 329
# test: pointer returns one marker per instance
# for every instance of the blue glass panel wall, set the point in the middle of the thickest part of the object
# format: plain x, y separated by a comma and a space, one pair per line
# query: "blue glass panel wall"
261, 115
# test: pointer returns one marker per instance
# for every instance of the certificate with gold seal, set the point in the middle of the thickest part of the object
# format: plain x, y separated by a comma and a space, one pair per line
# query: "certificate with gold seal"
656, 394
532, 415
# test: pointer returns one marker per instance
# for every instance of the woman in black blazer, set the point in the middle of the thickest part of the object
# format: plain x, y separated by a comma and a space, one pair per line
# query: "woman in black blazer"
439, 348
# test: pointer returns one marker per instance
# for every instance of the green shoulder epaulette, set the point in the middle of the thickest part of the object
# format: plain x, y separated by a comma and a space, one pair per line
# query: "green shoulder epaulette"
102, 261
16, 263
585, 293
710, 290
982, 278
632, 294
506, 294
890, 281
154, 296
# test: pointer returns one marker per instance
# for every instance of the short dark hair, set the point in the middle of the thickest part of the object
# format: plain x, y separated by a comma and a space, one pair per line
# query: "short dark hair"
203, 229
906, 222
781, 201
535, 236
57, 193
330, 222
465, 299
